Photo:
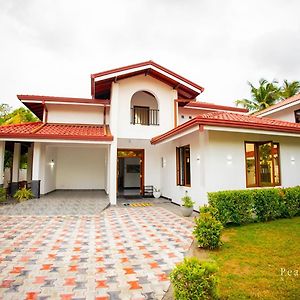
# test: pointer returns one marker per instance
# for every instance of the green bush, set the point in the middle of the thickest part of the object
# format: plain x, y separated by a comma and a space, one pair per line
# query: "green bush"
291, 202
233, 206
244, 206
267, 204
194, 280
207, 231
2, 195
209, 209
23, 194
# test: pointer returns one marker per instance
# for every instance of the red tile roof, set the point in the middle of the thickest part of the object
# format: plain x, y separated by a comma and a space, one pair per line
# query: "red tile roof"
233, 120
207, 105
39, 130
183, 85
36, 102
281, 104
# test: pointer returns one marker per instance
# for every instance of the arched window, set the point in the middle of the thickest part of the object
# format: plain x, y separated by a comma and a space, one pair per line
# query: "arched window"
144, 109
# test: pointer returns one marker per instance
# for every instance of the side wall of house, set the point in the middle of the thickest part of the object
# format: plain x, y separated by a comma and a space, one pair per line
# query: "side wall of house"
169, 187
76, 114
80, 168
226, 160
287, 114
48, 182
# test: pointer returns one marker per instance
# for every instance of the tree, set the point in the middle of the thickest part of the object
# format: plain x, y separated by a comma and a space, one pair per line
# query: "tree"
290, 89
266, 94
17, 116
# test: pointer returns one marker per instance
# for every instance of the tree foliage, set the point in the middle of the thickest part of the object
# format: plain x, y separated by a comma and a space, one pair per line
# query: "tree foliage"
268, 93
15, 116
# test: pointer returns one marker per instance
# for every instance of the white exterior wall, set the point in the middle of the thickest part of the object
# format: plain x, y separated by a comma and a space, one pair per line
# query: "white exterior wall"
169, 187
48, 183
186, 114
76, 114
287, 114
80, 168
164, 95
226, 160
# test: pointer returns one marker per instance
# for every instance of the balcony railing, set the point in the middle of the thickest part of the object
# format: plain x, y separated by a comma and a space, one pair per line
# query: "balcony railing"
144, 116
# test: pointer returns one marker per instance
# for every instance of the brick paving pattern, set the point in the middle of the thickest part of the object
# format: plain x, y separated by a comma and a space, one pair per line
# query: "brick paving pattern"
122, 253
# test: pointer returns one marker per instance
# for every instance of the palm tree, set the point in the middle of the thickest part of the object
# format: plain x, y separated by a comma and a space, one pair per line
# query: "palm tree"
265, 95
289, 89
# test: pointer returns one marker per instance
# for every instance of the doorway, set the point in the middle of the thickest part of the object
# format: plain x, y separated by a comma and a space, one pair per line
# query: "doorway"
130, 172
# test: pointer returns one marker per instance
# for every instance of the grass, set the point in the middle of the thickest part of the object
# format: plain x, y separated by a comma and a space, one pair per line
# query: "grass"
253, 257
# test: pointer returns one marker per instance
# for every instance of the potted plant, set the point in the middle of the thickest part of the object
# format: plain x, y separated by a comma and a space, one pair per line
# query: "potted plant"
187, 206
156, 193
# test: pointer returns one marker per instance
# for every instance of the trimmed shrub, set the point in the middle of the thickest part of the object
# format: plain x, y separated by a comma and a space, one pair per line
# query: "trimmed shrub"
268, 204
209, 209
233, 206
291, 202
207, 231
194, 280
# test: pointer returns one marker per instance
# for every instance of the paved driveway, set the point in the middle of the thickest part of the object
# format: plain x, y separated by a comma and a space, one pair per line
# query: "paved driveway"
122, 253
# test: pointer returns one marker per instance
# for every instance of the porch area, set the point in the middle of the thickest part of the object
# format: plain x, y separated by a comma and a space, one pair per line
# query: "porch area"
63, 203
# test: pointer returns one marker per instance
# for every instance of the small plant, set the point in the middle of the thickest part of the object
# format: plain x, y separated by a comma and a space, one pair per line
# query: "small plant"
207, 231
194, 280
23, 194
2, 195
187, 201
209, 209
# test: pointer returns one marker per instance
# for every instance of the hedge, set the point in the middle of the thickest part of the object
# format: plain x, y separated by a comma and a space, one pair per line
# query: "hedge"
2, 194
245, 206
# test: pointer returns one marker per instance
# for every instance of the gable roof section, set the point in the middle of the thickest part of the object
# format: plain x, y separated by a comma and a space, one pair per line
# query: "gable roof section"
101, 82
207, 105
36, 103
280, 106
39, 130
232, 120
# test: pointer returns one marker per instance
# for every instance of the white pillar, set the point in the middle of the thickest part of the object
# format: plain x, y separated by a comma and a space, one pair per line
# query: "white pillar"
29, 163
16, 162
2, 153
15, 168
36, 169
113, 173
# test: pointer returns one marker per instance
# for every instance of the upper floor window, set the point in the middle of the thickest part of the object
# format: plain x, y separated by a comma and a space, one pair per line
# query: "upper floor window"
297, 116
183, 166
262, 164
144, 109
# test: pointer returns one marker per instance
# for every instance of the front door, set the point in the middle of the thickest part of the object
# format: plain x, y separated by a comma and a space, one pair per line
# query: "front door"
130, 172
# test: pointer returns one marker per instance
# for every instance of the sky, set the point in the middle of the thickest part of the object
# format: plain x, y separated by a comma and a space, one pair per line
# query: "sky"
50, 47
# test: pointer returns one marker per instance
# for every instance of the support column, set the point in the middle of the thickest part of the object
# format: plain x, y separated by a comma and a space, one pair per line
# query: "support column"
29, 163
113, 174
2, 153
16, 167
36, 176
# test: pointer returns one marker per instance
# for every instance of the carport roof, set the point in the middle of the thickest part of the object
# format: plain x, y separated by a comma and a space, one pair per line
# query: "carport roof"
40, 130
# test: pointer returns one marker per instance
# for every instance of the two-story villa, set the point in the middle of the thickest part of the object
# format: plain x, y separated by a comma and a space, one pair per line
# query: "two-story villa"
144, 126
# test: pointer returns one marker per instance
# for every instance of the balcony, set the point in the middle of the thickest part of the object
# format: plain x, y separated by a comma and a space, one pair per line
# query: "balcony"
143, 115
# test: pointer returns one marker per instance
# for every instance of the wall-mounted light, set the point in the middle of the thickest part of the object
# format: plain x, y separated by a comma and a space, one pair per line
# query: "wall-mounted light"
163, 162
51, 163
229, 159
198, 159
292, 160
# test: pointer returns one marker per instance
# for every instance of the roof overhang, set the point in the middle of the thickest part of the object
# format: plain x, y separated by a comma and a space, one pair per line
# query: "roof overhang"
37, 103
101, 82
285, 128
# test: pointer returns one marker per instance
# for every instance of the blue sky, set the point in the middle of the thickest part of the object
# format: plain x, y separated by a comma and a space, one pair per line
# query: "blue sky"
51, 47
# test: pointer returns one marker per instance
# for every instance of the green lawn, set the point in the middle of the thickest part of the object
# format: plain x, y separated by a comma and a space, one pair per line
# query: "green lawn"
254, 256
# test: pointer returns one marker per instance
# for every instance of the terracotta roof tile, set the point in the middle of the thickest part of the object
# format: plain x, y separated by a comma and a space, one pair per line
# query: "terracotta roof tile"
280, 104
204, 105
233, 120
41, 130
